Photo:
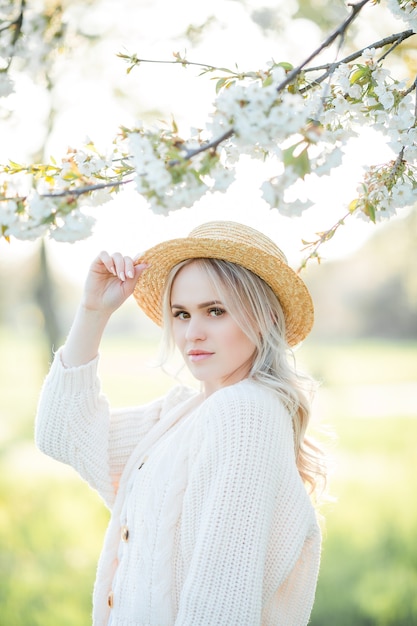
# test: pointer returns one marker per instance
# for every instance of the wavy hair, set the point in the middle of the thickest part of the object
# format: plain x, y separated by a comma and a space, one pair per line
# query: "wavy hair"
256, 309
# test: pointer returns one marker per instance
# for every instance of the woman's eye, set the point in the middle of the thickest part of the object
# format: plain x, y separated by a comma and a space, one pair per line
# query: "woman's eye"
216, 311
182, 315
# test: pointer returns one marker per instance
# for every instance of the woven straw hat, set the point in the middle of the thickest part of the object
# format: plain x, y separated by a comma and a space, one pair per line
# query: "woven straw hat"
239, 244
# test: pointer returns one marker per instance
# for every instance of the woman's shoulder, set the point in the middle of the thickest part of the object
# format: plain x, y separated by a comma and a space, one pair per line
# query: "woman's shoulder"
248, 404
247, 392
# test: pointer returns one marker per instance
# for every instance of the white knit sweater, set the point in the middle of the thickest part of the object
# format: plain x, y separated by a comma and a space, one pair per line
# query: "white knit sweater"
211, 524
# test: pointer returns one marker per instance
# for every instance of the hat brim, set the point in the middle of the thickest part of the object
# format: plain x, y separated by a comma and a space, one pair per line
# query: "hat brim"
291, 291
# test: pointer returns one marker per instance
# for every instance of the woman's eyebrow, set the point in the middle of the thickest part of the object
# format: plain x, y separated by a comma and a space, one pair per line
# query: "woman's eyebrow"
203, 305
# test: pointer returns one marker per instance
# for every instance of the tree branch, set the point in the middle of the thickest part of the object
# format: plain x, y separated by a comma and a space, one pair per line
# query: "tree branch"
323, 237
339, 32
81, 190
210, 145
181, 61
396, 38
413, 87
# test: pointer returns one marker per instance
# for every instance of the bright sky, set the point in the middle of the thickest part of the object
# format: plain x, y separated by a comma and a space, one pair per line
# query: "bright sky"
86, 105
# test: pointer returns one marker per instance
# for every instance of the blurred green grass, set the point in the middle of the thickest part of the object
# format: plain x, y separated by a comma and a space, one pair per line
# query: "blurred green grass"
52, 525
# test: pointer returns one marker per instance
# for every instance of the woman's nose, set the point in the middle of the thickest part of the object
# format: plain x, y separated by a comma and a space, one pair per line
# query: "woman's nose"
195, 329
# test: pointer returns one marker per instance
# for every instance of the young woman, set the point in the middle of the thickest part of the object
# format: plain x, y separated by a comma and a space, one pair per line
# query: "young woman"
209, 491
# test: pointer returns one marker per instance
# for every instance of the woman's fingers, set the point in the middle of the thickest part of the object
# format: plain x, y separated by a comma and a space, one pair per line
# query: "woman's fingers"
120, 265
129, 269
124, 267
107, 261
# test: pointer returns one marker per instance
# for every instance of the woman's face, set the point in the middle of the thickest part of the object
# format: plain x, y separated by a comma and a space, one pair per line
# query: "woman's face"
215, 349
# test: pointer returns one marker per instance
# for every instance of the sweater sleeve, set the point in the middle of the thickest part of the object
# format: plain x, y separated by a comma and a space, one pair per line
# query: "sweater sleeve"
75, 425
245, 500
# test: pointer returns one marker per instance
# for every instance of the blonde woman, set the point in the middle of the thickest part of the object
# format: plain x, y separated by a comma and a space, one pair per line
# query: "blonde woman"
212, 522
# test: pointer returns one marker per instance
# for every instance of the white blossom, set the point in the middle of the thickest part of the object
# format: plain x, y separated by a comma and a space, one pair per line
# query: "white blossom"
274, 192
151, 172
39, 208
271, 193
73, 227
259, 115
385, 96
410, 154
406, 10
156, 175
175, 197
329, 157
8, 213
295, 208
6, 85
404, 193
222, 178
355, 91
27, 231
380, 75
368, 54
99, 197
341, 77
230, 153
88, 165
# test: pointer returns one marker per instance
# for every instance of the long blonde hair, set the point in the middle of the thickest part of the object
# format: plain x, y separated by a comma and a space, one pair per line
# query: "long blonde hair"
256, 309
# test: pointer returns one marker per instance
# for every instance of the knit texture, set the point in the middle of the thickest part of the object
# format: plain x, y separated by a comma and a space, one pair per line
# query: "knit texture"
221, 531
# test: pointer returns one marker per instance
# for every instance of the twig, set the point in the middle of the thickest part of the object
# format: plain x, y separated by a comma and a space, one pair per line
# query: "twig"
81, 190
210, 145
323, 237
396, 166
395, 44
179, 61
413, 87
396, 38
415, 106
339, 32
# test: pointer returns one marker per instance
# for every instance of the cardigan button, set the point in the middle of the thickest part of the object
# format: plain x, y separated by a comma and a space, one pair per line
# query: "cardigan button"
125, 534
143, 462
110, 599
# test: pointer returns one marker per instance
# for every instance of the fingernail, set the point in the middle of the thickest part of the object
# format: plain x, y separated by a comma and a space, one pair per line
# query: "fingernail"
130, 274
122, 276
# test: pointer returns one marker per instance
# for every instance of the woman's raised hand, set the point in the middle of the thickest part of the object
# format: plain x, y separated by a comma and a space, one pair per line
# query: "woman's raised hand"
110, 281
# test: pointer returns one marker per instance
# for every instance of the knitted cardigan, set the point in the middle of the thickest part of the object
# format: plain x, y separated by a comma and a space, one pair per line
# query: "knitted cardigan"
210, 522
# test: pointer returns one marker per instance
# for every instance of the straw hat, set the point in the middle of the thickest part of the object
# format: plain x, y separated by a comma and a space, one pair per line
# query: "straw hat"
239, 244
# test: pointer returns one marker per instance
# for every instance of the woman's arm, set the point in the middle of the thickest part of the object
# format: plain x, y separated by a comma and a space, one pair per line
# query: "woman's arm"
73, 422
74, 425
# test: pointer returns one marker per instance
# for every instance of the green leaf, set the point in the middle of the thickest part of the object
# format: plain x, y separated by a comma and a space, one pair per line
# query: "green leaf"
370, 211
221, 83
361, 75
15, 166
299, 162
287, 66
353, 205
209, 160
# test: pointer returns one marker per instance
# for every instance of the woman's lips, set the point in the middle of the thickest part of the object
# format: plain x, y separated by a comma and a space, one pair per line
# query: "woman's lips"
198, 355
